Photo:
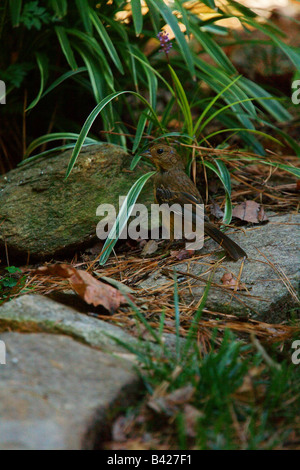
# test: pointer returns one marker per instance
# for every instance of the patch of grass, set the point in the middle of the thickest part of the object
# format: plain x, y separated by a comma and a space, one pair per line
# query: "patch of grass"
233, 395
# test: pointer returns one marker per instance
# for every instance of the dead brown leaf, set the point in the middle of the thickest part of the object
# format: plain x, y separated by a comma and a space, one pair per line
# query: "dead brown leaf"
250, 211
231, 283
182, 254
169, 404
86, 286
216, 210
149, 248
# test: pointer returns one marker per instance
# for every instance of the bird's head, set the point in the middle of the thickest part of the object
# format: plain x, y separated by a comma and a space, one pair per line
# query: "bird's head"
164, 157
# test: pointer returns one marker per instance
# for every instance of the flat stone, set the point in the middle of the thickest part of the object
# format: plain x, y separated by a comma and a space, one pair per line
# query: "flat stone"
45, 215
30, 313
58, 394
270, 274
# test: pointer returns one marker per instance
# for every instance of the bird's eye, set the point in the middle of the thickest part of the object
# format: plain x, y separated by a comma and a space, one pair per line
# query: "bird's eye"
160, 151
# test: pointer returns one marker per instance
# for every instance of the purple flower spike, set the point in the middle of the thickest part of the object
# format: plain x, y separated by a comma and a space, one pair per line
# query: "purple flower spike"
165, 43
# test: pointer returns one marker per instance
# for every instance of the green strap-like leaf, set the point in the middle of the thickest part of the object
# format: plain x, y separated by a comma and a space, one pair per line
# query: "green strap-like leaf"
42, 62
83, 9
91, 118
211, 103
213, 49
101, 30
123, 216
51, 138
224, 176
183, 101
271, 105
60, 7
292, 53
15, 11
137, 16
62, 78
66, 47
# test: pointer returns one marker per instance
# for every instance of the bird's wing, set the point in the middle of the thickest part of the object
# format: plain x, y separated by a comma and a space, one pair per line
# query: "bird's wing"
167, 196
180, 198
186, 201
187, 212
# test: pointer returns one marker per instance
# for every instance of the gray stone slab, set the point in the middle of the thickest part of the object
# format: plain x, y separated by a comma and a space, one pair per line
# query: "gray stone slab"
56, 393
44, 214
38, 313
271, 289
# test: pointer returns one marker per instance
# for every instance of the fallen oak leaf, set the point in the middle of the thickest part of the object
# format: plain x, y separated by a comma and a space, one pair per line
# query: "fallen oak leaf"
96, 292
250, 211
86, 286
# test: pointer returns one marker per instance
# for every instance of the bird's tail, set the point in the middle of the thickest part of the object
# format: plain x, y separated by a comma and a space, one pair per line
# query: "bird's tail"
231, 248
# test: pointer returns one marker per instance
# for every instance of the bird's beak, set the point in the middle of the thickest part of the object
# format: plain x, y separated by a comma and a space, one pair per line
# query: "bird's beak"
147, 154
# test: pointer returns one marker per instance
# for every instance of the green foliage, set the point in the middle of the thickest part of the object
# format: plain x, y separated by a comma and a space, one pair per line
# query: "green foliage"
109, 52
272, 394
123, 216
10, 282
34, 16
69, 61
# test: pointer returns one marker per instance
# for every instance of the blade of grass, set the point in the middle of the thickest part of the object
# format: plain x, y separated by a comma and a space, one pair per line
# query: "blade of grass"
177, 316
213, 49
65, 46
221, 110
62, 78
91, 118
241, 129
183, 102
137, 16
83, 9
52, 137
224, 176
42, 62
101, 30
123, 216
193, 328
15, 11
212, 102
53, 150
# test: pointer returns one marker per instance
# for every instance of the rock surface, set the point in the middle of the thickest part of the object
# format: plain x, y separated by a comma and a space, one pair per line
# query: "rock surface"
43, 214
36, 313
58, 394
270, 274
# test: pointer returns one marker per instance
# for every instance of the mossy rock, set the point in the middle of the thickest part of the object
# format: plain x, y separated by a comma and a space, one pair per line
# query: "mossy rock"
44, 214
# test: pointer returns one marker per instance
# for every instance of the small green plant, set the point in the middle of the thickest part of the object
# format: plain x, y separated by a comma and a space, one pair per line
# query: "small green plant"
10, 282
34, 16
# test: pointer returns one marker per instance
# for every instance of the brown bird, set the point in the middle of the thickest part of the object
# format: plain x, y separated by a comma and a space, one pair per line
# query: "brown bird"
173, 186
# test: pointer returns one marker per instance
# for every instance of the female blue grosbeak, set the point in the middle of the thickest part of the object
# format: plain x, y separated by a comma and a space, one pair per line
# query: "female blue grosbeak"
173, 186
